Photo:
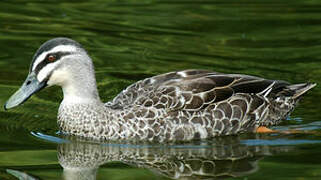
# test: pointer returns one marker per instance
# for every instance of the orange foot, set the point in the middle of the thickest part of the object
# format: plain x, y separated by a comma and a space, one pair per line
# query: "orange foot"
263, 129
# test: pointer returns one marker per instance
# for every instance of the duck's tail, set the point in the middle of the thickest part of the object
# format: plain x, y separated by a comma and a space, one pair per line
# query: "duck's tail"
300, 89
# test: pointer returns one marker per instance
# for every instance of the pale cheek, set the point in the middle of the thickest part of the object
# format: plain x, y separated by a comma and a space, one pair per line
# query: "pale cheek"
58, 77
45, 71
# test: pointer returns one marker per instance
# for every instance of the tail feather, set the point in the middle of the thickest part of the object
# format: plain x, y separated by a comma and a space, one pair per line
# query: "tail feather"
300, 89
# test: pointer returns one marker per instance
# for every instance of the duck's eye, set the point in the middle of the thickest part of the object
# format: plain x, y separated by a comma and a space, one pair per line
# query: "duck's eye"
51, 58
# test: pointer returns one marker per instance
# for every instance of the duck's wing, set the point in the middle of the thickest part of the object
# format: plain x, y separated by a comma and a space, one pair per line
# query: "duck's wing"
193, 90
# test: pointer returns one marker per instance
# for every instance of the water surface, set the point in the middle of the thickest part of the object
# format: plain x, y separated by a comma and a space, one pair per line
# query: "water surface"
132, 40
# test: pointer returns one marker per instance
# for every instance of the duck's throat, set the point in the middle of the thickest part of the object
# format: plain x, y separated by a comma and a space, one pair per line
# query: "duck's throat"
81, 89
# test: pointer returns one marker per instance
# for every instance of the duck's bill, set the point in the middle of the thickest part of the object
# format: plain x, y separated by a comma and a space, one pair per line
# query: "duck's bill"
28, 88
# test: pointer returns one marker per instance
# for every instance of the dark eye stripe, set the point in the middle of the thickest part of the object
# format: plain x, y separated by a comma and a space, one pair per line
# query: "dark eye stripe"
43, 63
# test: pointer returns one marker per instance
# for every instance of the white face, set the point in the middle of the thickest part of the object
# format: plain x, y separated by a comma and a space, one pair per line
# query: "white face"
49, 68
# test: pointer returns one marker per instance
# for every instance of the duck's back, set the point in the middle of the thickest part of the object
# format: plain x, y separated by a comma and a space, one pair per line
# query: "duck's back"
194, 104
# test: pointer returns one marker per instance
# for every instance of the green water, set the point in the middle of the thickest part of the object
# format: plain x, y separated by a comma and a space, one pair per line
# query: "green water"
131, 40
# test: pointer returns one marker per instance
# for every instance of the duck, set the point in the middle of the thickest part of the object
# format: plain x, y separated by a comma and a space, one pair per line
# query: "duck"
176, 106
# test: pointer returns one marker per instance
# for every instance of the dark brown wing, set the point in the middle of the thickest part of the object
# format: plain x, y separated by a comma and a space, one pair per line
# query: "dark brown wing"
192, 90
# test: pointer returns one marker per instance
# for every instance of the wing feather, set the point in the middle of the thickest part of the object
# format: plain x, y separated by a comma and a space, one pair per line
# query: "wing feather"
192, 90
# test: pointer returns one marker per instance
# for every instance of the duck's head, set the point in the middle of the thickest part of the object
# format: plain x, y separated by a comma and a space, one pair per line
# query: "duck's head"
59, 61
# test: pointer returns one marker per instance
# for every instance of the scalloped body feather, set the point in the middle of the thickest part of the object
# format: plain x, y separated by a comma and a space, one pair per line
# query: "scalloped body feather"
184, 105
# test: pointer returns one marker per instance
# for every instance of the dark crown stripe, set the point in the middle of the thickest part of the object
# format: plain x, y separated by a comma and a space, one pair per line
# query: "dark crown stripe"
49, 45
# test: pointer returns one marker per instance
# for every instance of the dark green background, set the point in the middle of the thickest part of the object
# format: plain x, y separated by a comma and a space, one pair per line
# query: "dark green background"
129, 40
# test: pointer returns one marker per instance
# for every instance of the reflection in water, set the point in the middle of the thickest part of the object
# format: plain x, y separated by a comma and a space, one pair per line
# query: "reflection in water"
131, 40
20, 175
223, 157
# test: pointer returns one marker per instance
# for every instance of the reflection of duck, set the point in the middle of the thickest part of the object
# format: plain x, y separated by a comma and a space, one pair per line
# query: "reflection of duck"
224, 157
183, 105
20, 175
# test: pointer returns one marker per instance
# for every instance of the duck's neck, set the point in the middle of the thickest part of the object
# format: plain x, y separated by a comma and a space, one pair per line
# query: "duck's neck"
81, 88
82, 92
81, 112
